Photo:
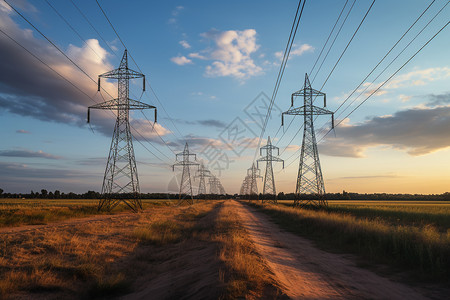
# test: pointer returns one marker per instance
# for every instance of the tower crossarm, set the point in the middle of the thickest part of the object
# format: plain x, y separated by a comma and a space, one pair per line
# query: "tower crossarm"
308, 110
307, 92
115, 104
122, 72
184, 163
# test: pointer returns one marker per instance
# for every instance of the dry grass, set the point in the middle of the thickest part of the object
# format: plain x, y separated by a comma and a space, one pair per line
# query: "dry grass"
16, 212
89, 260
245, 274
424, 249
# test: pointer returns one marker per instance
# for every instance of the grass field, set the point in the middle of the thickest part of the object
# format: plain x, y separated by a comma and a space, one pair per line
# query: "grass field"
176, 250
16, 212
411, 235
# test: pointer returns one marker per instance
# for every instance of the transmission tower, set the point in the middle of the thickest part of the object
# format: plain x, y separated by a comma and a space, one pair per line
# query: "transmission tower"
253, 173
309, 179
202, 173
269, 180
120, 182
244, 186
215, 186
185, 184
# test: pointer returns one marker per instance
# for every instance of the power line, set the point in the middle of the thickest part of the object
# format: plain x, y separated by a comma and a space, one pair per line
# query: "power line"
387, 80
326, 42
107, 44
73, 62
287, 51
390, 77
337, 62
320, 67
123, 44
390, 50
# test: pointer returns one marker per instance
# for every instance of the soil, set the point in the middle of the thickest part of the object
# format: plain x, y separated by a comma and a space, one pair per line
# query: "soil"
303, 271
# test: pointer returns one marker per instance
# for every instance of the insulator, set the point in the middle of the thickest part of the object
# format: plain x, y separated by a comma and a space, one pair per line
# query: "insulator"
332, 121
282, 119
98, 89
143, 83
156, 116
88, 115
324, 100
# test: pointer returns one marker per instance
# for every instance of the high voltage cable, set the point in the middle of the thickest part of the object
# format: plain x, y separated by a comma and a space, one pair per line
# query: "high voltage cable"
395, 58
123, 44
387, 80
92, 26
326, 42
75, 64
318, 57
83, 40
109, 47
370, 73
287, 51
335, 65
320, 67
376, 90
392, 61
334, 40
62, 76
72, 28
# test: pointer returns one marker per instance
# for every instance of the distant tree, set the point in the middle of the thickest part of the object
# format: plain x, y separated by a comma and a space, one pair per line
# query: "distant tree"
1, 191
57, 194
44, 193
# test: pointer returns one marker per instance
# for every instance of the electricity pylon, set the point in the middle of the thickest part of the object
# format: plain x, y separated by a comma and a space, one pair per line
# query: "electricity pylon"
185, 184
269, 180
120, 182
309, 179
202, 173
253, 173
215, 186
244, 186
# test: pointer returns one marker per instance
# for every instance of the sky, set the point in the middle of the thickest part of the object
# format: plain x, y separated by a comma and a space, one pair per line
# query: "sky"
212, 68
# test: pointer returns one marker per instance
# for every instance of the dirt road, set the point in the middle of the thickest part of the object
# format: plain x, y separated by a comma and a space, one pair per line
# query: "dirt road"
305, 272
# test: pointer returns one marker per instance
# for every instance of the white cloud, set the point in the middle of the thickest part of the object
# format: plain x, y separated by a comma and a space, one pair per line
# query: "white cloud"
185, 44
297, 50
181, 60
231, 55
197, 55
300, 49
175, 14
418, 77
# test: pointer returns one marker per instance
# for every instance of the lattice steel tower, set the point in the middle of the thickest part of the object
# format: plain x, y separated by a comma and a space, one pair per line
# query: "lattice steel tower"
269, 180
215, 186
309, 179
253, 174
185, 184
120, 183
202, 173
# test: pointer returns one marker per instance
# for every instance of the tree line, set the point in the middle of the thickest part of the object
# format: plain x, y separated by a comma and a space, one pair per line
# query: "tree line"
44, 194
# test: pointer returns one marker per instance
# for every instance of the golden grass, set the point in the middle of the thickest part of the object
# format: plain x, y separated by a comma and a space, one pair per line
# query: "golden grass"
16, 212
85, 260
246, 276
424, 248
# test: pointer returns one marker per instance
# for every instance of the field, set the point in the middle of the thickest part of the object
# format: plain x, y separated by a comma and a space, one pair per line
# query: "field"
166, 251
15, 212
54, 249
411, 235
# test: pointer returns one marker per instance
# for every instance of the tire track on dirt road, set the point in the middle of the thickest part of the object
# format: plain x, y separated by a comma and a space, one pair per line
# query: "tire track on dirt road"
306, 272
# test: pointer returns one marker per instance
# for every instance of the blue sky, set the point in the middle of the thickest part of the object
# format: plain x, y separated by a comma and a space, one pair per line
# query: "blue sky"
209, 62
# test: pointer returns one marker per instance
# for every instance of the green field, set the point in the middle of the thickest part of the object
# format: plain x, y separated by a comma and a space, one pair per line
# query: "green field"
16, 212
413, 235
